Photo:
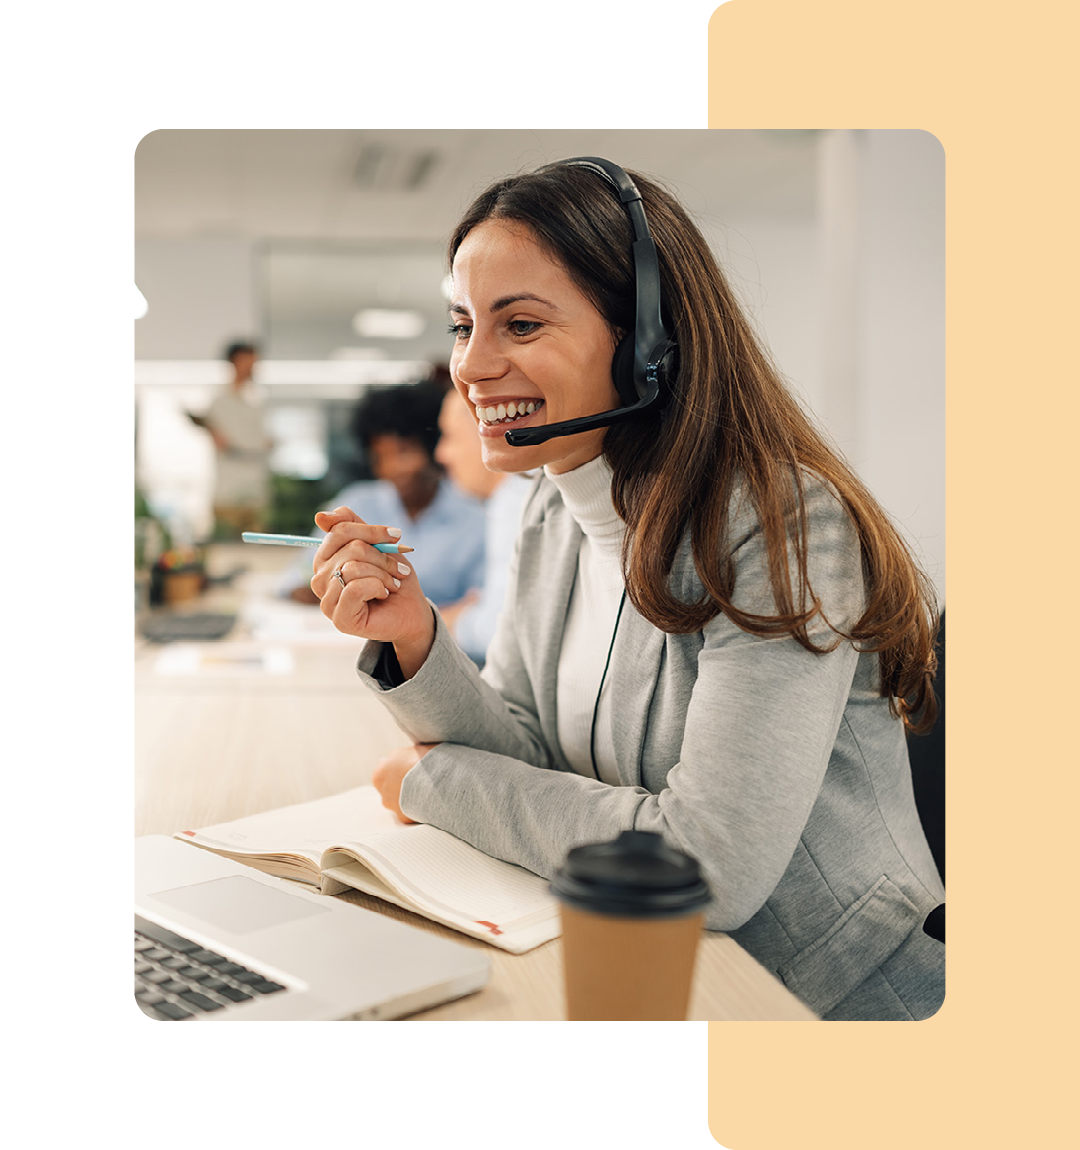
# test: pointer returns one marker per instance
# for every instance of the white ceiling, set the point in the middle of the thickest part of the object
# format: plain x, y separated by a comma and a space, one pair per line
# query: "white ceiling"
308, 184
341, 220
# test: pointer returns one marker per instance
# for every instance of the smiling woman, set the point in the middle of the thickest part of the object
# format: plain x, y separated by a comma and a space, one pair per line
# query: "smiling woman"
712, 631
545, 350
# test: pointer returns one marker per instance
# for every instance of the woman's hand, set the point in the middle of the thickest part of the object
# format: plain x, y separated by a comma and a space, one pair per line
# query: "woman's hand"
388, 775
381, 598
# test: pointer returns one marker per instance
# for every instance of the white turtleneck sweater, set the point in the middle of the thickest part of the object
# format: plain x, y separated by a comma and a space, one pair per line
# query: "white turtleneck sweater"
590, 619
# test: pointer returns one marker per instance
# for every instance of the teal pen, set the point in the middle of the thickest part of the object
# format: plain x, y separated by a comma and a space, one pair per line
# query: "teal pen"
308, 541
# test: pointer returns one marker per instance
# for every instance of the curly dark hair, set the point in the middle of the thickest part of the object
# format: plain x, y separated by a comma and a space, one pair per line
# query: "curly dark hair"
408, 410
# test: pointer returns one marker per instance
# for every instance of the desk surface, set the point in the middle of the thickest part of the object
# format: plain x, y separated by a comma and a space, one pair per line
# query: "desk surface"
228, 740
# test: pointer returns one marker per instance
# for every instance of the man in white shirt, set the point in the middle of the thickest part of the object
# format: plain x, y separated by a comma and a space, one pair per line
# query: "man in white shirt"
242, 448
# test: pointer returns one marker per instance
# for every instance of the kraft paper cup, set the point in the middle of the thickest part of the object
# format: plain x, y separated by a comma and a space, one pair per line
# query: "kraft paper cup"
632, 915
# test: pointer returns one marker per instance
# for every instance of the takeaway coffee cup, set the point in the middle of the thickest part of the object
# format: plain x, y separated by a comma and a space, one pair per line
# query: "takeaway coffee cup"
632, 914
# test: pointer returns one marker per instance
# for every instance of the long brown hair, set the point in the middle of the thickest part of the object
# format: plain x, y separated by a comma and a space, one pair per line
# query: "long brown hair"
730, 423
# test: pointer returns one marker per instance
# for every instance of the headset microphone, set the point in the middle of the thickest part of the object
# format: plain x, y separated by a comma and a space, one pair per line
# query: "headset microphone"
644, 364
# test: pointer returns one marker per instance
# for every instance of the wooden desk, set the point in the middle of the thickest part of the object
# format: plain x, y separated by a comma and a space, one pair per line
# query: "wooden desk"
213, 747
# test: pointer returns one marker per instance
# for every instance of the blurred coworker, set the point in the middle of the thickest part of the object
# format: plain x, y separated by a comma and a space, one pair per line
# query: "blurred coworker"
398, 429
472, 620
242, 447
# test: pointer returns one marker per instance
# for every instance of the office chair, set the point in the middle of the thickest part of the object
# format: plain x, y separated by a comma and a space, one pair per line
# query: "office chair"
927, 755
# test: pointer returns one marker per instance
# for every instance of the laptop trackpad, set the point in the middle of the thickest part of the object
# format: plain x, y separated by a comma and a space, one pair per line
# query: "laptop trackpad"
239, 904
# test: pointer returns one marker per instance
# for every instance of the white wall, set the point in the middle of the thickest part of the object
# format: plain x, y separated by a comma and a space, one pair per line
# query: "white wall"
774, 268
883, 323
201, 295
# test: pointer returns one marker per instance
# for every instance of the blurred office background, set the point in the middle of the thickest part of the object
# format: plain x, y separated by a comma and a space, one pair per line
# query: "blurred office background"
327, 249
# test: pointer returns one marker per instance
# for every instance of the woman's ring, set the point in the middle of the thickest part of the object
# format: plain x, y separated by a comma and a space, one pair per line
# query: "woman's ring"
338, 576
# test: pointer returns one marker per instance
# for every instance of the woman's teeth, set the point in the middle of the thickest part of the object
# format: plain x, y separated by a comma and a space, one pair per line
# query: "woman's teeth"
505, 412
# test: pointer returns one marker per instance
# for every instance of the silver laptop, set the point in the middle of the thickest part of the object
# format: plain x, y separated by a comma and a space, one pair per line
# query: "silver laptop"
217, 941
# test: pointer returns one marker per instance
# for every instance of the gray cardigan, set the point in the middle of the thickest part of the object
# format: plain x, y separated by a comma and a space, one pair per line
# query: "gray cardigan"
780, 770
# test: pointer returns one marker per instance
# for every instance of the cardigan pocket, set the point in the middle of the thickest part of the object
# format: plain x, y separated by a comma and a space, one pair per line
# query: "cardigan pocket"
871, 929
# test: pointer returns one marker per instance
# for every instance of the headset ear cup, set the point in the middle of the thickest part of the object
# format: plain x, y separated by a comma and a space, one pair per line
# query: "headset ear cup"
669, 370
622, 370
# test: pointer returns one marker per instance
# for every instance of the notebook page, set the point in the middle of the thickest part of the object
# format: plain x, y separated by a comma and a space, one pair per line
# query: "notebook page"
455, 878
305, 829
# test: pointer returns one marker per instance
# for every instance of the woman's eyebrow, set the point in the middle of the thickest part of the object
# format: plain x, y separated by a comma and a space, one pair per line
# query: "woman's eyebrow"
506, 300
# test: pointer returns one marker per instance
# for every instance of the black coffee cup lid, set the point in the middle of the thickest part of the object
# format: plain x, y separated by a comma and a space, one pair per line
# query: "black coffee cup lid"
636, 875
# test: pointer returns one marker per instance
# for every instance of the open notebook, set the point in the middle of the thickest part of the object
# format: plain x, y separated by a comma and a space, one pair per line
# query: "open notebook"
351, 840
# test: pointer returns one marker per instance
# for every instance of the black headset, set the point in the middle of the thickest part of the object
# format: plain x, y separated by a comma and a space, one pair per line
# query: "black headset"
645, 361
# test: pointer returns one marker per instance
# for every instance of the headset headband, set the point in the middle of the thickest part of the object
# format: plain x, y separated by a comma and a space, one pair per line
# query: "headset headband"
644, 360
649, 327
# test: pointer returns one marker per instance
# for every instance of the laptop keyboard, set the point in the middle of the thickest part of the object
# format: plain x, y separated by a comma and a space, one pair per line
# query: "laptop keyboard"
176, 978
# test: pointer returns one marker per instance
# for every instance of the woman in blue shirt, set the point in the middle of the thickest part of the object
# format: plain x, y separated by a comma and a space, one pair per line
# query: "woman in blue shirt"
398, 428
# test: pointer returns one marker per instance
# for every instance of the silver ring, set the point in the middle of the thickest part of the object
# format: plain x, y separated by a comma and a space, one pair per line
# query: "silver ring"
338, 576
